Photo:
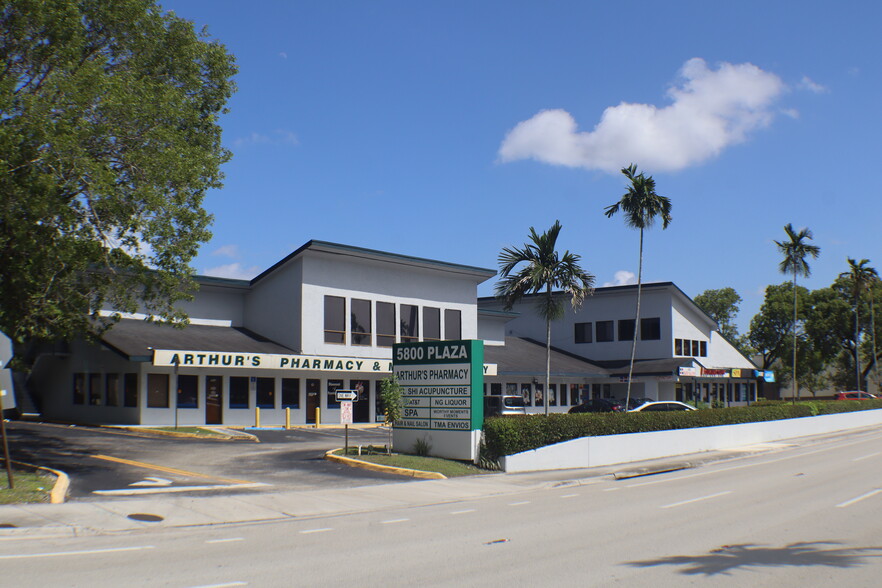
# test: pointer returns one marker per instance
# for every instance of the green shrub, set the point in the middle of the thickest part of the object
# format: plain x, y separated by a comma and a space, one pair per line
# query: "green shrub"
509, 435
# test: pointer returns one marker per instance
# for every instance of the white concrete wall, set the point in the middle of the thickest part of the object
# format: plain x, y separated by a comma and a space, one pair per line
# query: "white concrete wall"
351, 277
723, 354
491, 329
216, 303
616, 449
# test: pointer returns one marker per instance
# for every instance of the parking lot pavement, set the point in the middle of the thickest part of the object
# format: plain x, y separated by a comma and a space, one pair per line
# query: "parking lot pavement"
105, 463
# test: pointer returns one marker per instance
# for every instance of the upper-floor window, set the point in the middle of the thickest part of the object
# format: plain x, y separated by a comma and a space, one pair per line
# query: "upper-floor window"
626, 330
410, 323
604, 331
650, 329
335, 319
360, 322
385, 324
583, 333
690, 347
431, 323
452, 324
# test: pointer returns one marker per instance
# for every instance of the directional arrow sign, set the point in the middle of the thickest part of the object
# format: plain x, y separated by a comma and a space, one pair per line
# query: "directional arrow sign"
342, 395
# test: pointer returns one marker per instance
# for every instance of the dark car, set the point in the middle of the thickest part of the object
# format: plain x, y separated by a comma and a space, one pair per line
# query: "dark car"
599, 405
854, 395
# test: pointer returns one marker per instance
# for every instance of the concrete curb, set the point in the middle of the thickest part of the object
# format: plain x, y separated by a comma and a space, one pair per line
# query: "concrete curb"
375, 467
228, 435
62, 482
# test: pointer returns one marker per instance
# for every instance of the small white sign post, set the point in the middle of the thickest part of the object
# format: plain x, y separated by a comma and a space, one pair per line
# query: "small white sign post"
346, 398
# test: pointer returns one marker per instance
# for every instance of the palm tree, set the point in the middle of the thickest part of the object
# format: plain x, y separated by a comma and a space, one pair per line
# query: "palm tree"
795, 250
860, 276
640, 205
541, 268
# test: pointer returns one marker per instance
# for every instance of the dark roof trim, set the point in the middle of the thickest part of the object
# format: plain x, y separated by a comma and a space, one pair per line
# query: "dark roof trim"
340, 249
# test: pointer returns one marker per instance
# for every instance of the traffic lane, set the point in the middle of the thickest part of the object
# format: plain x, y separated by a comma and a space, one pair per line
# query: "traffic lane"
293, 461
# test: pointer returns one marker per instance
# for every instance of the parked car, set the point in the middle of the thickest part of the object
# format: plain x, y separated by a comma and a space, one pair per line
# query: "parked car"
599, 405
635, 402
854, 395
666, 405
503, 405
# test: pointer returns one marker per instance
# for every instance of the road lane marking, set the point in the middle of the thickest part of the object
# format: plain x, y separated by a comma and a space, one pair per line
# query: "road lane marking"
137, 491
692, 500
81, 552
393, 521
310, 531
459, 512
152, 481
569, 496
230, 540
168, 470
859, 498
227, 585
523, 502
866, 456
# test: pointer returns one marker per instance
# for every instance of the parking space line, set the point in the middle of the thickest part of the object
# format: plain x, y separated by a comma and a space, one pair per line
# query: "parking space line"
81, 552
310, 531
393, 521
699, 499
859, 498
168, 470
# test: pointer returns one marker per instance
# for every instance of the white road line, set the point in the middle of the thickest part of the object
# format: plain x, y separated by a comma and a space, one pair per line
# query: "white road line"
859, 498
569, 496
459, 512
523, 502
136, 491
866, 456
613, 489
323, 530
84, 552
393, 521
227, 585
230, 540
708, 497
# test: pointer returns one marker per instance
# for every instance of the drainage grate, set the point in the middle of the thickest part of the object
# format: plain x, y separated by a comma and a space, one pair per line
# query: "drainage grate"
147, 518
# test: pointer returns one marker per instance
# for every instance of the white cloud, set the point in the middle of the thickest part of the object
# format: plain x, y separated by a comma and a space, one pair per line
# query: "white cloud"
806, 83
277, 137
233, 270
622, 278
710, 110
231, 251
283, 55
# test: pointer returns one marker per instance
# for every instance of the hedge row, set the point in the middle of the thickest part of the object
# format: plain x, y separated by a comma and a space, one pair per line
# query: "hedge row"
509, 435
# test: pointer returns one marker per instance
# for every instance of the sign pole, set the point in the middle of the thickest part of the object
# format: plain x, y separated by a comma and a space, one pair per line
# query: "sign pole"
346, 443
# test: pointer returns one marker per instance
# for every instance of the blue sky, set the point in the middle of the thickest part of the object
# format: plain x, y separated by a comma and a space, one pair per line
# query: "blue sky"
446, 130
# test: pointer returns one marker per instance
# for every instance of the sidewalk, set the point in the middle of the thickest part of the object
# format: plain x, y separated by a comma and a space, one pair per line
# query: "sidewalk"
73, 519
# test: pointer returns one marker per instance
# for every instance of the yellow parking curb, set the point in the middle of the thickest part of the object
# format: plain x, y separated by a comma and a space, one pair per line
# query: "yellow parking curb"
375, 467
62, 482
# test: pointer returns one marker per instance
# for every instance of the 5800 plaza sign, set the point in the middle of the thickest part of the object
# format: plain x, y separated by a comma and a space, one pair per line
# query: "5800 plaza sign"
442, 385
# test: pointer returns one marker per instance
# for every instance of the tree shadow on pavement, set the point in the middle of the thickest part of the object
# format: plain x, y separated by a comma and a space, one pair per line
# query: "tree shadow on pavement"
727, 558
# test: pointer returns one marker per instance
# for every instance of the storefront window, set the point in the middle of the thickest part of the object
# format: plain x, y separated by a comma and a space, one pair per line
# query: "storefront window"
333, 386
552, 395
266, 392
111, 386
130, 393
157, 390
239, 392
95, 389
385, 324
360, 322
79, 388
539, 395
431, 323
496, 389
188, 391
335, 319
452, 325
526, 392
410, 327
290, 392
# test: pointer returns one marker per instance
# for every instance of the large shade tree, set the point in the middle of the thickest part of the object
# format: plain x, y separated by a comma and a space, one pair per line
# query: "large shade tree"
859, 276
109, 140
538, 268
641, 205
795, 250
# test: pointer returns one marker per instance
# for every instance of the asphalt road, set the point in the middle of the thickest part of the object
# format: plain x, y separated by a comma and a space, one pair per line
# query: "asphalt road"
808, 516
103, 463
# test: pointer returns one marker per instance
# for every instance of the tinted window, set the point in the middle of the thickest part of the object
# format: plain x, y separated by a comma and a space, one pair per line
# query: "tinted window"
650, 329
626, 330
604, 331
385, 324
431, 323
360, 322
409, 323
583, 333
452, 324
335, 319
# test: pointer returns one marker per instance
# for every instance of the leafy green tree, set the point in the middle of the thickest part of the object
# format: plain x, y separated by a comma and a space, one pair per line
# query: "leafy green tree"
640, 206
536, 268
722, 306
109, 139
859, 276
829, 324
795, 250
390, 397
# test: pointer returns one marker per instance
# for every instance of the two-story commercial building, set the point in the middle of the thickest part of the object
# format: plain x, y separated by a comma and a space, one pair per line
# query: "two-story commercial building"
325, 318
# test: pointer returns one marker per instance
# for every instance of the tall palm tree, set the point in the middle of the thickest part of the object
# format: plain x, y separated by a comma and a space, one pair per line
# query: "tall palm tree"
543, 269
795, 250
861, 276
640, 205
